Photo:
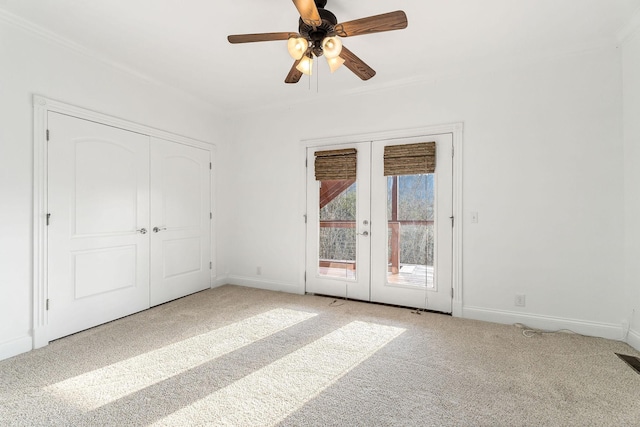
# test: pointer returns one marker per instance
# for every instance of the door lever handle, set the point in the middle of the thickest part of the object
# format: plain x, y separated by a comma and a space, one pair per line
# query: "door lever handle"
158, 229
364, 233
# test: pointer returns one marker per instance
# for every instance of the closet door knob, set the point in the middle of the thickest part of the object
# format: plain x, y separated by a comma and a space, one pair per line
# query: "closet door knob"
142, 231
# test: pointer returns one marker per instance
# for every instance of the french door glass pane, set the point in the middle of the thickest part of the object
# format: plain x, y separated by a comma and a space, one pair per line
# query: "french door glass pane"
410, 218
337, 251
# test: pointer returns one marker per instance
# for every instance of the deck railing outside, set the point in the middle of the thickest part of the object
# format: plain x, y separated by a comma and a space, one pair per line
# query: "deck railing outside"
394, 255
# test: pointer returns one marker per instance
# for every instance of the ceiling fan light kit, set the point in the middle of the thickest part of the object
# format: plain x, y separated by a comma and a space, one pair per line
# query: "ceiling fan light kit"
305, 66
335, 63
297, 47
319, 35
331, 46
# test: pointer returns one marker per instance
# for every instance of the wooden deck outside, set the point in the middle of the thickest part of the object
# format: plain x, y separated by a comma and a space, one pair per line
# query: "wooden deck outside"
412, 275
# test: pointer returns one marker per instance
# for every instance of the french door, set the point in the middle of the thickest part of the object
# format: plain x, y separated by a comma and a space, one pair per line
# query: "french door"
382, 238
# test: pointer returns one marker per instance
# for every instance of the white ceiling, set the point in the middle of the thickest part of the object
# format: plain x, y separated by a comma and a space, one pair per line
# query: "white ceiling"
183, 43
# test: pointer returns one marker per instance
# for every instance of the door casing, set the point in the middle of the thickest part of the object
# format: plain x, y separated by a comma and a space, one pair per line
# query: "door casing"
41, 107
456, 129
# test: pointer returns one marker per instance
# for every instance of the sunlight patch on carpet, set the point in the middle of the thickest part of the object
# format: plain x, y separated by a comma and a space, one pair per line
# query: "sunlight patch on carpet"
272, 393
97, 388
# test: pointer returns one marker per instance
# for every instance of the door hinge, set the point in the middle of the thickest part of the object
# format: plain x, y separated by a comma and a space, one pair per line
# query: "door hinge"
47, 303
48, 218
47, 134
452, 151
210, 215
305, 218
451, 293
305, 277
306, 163
210, 265
452, 220
210, 165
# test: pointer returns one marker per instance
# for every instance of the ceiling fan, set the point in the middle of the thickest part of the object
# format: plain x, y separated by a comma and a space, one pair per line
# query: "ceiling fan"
319, 34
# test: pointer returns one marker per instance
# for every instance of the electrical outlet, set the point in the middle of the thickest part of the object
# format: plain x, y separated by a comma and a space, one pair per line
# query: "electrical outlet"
258, 270
521, 300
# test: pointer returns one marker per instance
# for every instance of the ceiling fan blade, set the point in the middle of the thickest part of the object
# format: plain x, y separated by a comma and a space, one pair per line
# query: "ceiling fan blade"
308, 12
373, 24
262, 37
357, 65
294, 74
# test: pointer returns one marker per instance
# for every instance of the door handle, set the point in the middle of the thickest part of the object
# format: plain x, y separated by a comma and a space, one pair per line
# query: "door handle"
158, 229
364, 233
142, 231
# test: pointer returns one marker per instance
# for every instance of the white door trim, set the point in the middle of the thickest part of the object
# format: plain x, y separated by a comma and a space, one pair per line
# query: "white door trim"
41, 107
457, 130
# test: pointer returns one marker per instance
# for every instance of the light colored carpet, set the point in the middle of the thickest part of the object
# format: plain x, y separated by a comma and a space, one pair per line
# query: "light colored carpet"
239, 356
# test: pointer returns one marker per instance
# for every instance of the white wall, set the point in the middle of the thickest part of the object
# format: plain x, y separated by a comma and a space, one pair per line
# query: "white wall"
543, 166
31, 65
631, 96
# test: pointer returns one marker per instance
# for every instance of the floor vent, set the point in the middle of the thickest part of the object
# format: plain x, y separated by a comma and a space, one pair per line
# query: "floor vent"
632, 361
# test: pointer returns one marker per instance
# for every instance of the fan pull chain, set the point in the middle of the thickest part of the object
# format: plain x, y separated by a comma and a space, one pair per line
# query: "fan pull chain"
318, 77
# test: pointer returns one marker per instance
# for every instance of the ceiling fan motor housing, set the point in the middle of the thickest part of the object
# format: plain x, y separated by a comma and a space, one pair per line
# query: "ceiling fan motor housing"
320, 4
315, 35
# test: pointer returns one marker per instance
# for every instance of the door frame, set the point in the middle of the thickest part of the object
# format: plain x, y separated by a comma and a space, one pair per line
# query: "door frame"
457, 131
41, 108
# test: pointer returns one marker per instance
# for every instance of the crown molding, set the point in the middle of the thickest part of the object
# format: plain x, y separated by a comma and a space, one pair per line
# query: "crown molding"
631, 28
56, 39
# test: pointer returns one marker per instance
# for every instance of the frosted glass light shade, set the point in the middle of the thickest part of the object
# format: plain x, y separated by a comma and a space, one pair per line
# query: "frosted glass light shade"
297, 47
335, 63
305, 66
332, 46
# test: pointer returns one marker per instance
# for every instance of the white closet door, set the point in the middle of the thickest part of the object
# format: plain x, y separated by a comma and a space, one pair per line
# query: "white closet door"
180, 220
98, 198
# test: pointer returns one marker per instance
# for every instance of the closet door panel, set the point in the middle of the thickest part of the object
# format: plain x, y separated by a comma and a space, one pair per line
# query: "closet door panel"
180, 218
98, 198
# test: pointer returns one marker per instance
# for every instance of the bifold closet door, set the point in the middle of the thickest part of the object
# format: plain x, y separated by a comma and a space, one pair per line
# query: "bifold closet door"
180, 220
98, 246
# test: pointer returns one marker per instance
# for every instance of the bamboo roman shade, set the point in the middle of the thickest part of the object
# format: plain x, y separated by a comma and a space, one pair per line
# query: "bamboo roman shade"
410, 159
336, 164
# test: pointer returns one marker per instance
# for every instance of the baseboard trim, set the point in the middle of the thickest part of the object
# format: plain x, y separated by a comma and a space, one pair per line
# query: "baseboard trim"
583, 327
633, 339
219, 281
252, 282
15, 347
